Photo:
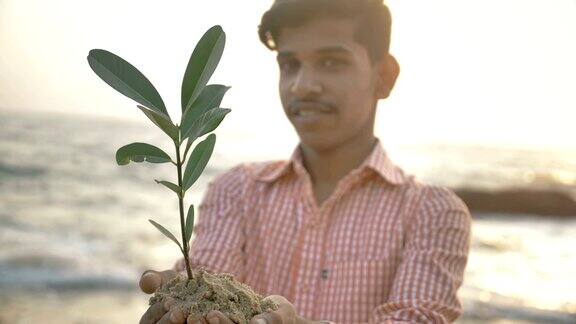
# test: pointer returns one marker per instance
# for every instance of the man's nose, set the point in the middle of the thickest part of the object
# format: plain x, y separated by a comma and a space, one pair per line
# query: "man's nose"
305, 83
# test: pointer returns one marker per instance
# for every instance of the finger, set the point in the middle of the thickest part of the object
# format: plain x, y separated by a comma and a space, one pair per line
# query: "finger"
284, 314
178, 315
216, 317
152, 280
154, 313
196, 319
277, 299
285, 308
268, 318
174, 316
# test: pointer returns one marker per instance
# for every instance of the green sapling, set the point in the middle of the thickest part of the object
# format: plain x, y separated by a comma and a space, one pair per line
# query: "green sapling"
201, 115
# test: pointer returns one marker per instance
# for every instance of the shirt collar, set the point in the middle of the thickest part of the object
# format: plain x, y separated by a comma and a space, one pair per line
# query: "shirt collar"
377, 161
283, 167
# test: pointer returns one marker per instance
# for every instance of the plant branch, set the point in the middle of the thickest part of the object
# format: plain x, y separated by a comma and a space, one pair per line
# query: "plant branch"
181, 206
186, 150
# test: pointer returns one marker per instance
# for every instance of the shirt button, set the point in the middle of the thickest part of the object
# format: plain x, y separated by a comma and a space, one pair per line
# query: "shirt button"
324, 274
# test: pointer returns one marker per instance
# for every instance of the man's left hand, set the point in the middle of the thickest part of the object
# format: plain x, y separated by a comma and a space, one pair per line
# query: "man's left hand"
285, 314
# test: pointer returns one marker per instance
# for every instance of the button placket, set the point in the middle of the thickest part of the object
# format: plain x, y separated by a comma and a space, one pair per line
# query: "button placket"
312, 249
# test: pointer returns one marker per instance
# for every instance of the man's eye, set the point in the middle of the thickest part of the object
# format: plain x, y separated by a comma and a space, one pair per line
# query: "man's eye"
331, 63
288, 65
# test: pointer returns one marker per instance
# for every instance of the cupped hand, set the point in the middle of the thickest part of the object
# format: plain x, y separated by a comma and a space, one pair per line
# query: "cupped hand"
213, 317
160, 313
285, 314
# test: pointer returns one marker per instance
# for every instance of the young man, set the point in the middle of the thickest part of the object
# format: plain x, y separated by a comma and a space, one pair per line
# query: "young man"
337, 233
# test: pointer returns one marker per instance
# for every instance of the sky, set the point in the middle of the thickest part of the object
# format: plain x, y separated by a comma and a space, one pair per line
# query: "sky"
477, 72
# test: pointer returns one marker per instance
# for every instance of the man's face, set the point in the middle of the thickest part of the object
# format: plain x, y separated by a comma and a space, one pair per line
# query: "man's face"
328, 84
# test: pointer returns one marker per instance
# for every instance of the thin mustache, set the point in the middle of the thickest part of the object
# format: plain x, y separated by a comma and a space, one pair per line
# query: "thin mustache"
295, 104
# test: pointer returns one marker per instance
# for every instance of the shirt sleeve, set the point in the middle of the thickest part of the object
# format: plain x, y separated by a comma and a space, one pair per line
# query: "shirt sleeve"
219, 236
437, 241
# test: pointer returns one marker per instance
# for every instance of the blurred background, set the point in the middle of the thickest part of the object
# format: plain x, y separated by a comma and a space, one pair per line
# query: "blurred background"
485, 104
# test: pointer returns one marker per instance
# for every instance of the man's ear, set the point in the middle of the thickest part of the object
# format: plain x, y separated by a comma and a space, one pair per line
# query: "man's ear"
388, 71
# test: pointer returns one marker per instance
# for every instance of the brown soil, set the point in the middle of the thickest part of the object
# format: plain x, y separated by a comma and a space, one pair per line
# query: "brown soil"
214, 291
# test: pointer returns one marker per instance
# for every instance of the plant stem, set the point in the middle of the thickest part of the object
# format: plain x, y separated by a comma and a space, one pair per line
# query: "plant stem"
181, 205
186, 150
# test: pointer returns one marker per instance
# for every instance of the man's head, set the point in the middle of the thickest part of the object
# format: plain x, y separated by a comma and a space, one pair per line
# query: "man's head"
371, 18
334, 66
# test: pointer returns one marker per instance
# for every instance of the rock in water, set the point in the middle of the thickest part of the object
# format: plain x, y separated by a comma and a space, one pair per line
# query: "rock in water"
520, 201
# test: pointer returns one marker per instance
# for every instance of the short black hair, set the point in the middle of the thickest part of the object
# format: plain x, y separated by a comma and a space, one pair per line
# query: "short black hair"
372, 18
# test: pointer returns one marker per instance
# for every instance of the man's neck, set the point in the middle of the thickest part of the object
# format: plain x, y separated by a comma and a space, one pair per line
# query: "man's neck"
327, 167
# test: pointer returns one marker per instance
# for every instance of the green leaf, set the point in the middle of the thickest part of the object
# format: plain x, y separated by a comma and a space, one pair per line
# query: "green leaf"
166, 233
211, 97
188, 144
161, 121
202, 64
206, 123
189, 223
126, 79
140, 152
198, 160
174, 187
211, 120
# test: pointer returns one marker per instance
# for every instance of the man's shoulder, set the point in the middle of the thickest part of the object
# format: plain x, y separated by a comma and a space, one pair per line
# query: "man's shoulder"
433, 197
440, 197
439, 205
249, 172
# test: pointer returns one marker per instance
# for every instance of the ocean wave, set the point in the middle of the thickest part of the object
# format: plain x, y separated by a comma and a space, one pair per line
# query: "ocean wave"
486, 312
7, 170
42, 278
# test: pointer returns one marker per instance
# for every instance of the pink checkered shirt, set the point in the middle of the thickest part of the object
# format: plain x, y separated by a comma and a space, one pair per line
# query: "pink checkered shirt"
383, 248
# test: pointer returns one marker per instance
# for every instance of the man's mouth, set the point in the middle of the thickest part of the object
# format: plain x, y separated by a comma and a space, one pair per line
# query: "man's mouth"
310, 108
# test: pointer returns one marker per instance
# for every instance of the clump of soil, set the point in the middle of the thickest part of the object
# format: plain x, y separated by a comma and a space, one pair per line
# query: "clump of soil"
214, 291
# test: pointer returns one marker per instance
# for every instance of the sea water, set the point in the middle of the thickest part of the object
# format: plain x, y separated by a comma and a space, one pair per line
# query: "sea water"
74, 230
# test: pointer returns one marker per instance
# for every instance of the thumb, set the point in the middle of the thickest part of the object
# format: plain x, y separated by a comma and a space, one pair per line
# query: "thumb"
152, 280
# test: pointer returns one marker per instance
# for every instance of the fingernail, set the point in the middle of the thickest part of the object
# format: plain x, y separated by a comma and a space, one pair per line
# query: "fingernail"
192, 319
168, 303
213, 320
149, 282
176, 317
261, 321
153, 278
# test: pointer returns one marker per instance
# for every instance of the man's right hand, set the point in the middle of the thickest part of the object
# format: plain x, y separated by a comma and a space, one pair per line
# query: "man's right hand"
160, 313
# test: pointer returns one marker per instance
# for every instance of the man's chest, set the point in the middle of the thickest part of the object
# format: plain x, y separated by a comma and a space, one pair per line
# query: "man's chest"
365, 223
307, 253
348, 230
